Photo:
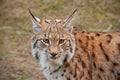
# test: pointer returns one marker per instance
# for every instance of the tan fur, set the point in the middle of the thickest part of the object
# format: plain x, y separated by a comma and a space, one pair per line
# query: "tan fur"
67, 53
97, 56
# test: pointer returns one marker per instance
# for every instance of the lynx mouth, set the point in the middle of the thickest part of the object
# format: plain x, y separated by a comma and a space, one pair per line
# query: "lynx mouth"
53, 57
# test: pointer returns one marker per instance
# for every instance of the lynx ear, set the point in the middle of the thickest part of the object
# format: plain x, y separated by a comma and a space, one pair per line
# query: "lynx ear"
68, 21
35, 23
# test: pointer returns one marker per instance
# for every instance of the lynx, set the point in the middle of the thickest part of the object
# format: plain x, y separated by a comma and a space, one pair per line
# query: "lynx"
67, 53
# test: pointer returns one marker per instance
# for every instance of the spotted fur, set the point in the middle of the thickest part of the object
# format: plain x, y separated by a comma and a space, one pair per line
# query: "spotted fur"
67, 53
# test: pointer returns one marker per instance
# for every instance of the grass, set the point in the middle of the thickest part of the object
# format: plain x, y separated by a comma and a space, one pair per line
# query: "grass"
57, 5
23, 77
113, 21
98, 2
53, 4
16, 30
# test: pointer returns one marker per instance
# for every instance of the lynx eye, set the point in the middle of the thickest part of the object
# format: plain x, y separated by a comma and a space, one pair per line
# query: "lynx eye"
46, 41
61, 41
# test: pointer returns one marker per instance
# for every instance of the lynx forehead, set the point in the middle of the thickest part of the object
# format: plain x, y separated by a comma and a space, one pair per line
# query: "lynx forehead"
67, 53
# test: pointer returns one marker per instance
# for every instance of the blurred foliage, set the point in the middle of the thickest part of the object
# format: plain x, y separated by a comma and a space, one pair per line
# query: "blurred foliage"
15, 29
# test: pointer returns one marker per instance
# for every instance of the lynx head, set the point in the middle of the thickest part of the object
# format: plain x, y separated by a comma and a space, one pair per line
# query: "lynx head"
53, 40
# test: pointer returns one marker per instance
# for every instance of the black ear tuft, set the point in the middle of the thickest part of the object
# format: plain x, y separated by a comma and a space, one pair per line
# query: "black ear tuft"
68, 21
35, 23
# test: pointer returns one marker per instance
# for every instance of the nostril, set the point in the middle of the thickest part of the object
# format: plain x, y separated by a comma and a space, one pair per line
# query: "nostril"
53, 54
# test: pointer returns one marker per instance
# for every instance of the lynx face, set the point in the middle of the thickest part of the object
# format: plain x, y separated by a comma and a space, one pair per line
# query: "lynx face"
53, 40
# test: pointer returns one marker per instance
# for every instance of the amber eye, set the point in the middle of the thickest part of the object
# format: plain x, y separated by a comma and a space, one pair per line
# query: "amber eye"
46, 41
61, 41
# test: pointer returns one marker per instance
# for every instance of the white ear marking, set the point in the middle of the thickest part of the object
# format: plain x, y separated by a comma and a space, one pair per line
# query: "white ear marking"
36, 28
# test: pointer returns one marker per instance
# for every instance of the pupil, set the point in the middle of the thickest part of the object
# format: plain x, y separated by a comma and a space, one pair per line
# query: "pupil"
46, 40
61, 41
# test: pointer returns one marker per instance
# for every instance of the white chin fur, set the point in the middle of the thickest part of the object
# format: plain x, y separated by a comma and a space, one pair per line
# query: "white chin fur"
45, 61
59, 60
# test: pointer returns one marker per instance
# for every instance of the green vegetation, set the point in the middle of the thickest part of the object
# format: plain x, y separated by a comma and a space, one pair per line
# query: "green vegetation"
16, 62
23, 77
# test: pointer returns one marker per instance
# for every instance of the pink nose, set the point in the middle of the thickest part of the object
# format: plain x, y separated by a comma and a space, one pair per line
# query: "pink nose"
53, 54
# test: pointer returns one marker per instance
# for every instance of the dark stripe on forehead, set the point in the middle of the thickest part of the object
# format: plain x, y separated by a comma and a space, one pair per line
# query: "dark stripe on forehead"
54, 32
53, 26
46, 32
52, 22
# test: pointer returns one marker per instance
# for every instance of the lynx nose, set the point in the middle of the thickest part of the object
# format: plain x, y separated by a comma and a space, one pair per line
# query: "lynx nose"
53, 54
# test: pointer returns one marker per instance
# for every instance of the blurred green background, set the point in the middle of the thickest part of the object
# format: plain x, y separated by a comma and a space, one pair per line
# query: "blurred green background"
16, 62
